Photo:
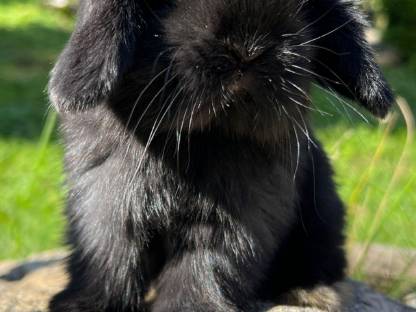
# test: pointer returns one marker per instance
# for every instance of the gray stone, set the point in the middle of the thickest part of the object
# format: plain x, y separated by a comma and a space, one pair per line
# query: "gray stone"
410, 300
27, 287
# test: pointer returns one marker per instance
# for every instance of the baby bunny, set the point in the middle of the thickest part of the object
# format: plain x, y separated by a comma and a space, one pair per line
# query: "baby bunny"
191, 165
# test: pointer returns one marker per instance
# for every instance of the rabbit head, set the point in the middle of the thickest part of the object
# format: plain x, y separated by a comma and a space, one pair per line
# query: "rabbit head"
242, 66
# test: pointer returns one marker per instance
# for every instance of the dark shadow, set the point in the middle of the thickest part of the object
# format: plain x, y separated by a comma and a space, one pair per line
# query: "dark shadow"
335, 110
20, 271
328, 110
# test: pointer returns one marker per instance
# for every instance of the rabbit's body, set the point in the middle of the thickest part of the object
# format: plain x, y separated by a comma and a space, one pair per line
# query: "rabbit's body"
230, 208
191, 164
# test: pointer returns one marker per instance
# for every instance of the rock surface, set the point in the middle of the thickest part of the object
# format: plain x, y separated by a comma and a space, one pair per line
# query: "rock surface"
28, 286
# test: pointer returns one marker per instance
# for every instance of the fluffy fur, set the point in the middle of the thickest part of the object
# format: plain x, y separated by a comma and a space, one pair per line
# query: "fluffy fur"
191, 164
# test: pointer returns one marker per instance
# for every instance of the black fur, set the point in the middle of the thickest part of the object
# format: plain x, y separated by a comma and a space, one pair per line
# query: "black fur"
191, 164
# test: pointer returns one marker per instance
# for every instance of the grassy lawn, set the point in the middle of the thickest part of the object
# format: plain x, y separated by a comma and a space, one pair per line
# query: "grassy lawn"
377, 188
30, 168
374, 182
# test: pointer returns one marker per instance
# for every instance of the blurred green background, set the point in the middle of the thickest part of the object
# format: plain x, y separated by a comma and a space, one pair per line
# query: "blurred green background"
375, 162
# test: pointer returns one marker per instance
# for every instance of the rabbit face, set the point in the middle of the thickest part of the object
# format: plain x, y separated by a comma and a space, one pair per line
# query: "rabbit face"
237, 67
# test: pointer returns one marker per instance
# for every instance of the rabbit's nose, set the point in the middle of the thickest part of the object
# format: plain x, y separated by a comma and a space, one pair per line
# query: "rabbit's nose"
224, 63
242, 82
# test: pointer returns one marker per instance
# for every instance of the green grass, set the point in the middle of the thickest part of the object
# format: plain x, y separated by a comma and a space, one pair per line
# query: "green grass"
381, 208
31, 195
352, 145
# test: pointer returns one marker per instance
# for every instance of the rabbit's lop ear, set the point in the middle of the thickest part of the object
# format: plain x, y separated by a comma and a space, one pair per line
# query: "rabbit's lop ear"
97, 55
344, 61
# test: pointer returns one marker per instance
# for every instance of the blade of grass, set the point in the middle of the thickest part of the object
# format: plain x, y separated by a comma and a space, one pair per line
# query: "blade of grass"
358, 190
45, 137
381, 210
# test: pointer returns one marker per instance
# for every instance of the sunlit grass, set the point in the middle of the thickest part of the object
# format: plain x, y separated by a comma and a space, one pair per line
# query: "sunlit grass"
365, 157
30, 197
375, 170
20, 14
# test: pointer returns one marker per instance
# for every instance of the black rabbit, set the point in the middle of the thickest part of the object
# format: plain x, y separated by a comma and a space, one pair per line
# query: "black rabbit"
191, 165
